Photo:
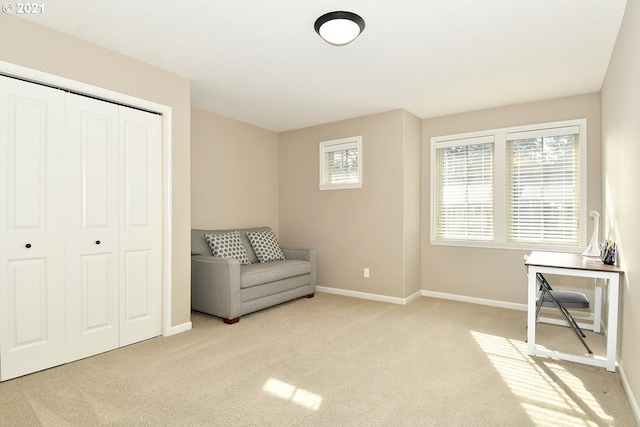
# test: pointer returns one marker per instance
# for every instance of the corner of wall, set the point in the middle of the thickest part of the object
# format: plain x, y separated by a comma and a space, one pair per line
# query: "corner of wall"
411, 200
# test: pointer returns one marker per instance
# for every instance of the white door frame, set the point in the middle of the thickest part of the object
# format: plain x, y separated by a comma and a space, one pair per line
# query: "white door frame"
166, 112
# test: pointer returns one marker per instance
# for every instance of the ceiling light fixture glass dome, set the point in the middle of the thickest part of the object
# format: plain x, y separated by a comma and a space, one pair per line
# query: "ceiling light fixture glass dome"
339, 28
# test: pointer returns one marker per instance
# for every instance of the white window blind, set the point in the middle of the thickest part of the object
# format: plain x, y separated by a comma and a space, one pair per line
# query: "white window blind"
464, 189
543, 191
341, 163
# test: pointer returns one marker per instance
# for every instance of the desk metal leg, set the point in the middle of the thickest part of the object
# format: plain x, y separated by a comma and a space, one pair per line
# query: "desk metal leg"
612, 323
597, 306
531, 311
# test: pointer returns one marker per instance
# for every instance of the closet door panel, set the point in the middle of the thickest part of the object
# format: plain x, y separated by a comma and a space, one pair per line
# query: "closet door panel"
28, 296
91, 227
137, 287
97, 284
32, 330
141, 228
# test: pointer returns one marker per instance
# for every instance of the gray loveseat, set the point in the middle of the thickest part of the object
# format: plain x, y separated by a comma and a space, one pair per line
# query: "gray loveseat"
224, 288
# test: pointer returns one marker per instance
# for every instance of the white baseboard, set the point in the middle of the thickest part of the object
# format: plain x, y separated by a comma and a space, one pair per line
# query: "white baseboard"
405, 301
630, 396
443, 295
365, 295
513, 306
413, 297
473, 300
184, 327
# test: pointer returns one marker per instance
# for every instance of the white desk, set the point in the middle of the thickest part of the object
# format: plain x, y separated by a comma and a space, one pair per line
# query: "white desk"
575, 265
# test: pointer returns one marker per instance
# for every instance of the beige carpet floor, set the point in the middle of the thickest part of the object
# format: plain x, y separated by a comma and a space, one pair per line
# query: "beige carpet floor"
329, 361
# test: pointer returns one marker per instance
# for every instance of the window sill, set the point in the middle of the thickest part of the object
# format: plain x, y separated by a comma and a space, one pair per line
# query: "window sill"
512, 246
340, 186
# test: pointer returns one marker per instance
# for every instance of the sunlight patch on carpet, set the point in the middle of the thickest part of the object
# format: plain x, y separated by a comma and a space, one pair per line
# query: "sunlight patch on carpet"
550, 395
290, 392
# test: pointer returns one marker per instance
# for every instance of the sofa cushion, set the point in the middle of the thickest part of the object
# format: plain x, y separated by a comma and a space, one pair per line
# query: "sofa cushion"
199, 245
227, 245
265, 245
274, 290
257, 274
247, 244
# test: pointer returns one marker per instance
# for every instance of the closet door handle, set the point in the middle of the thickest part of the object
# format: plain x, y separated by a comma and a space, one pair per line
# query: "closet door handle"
28, 245
97, 242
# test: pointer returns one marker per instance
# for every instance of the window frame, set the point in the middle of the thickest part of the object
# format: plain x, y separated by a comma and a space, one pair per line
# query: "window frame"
500, 186
339, 145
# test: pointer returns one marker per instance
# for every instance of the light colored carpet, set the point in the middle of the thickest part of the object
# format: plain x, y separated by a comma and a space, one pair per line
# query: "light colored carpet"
328, 361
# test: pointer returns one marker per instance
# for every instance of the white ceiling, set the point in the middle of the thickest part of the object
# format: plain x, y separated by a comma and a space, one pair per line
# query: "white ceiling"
261, 62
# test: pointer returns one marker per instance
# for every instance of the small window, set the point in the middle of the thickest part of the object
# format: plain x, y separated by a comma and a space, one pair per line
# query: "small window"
341, 163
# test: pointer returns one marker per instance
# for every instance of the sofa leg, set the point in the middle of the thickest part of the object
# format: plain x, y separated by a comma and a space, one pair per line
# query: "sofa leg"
231, 321
310, 295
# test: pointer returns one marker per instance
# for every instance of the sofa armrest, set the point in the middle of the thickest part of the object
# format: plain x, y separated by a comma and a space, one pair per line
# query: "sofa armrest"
304, 255
215, 286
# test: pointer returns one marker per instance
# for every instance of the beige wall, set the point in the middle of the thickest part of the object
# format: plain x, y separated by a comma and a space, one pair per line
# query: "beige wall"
497, 274
411, 204
621, 174
234, 173
37, 47
357, 228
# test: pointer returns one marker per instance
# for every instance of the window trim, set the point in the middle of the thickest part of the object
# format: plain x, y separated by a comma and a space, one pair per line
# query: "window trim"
338, 145
500, 186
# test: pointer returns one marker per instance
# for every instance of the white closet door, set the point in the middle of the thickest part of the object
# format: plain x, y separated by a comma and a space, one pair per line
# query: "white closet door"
32, 324
140, 225
91, 226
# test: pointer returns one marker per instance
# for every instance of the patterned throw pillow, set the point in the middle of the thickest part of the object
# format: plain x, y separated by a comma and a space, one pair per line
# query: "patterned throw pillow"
265, 245
228, 245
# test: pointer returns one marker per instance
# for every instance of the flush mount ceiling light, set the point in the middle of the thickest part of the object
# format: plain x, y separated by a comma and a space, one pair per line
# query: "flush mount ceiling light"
339, 28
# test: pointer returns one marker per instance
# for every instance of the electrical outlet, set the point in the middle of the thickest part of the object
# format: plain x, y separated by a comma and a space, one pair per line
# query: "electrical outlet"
366, 272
